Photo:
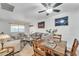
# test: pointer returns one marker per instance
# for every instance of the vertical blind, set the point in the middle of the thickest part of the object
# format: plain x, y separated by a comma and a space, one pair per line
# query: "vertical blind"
17, 28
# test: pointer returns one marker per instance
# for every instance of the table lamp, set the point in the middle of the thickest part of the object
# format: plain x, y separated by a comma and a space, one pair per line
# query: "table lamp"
3, 37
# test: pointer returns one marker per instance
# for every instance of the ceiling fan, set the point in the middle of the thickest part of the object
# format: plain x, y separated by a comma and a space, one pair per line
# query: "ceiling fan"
50, 8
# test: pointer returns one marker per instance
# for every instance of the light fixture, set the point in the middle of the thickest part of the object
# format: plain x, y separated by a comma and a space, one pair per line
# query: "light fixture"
3, 37
49, 10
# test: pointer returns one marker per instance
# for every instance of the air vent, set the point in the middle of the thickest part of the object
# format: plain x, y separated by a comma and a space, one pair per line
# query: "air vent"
30, 25
7, 7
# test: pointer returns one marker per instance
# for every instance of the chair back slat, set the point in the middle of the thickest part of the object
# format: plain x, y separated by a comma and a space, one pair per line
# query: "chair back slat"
57, 37
38, 50
74, 48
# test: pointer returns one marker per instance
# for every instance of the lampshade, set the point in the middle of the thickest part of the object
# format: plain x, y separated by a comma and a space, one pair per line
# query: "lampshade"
4, 36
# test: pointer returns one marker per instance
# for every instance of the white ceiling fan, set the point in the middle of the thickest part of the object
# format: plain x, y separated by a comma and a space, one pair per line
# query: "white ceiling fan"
50, 8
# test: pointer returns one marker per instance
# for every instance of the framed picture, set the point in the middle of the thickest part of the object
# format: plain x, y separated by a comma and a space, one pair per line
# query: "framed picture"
61, 21
41, 24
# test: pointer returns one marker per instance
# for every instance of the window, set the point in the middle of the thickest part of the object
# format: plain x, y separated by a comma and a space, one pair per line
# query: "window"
17, 28
21, 28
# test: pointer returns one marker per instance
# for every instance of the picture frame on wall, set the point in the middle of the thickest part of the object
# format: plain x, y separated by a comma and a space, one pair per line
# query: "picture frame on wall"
61, 21
41, 24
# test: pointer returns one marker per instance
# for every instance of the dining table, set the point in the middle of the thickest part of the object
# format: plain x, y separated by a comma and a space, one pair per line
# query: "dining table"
57, 48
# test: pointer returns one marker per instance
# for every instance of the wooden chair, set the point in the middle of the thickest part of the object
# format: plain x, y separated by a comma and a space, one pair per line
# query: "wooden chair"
57, 37
73, 49
49, 52
38, 50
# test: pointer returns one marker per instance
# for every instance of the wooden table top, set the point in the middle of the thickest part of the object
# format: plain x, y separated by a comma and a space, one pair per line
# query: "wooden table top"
59, 49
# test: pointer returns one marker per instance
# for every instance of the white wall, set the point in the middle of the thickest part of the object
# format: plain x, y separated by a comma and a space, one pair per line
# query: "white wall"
48, 25
4, 27
68, 32
27, 31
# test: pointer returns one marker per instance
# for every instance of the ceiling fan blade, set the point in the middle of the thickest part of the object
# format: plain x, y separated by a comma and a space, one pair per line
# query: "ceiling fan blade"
44, 4
49, 4
57, 4
56, 10
41, 11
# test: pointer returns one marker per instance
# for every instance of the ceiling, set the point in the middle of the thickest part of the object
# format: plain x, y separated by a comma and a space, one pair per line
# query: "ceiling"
28, 12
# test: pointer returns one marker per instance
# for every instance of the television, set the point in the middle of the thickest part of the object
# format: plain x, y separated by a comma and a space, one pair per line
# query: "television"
61, 21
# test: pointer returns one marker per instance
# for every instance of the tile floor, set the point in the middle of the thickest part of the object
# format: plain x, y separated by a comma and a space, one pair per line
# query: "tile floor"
27, 51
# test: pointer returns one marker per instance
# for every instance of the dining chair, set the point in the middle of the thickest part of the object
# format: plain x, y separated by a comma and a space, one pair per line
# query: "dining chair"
49, 52
73, 49
57, 37
38, 50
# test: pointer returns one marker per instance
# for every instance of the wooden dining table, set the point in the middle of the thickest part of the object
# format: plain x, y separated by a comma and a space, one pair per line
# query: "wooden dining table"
58, 48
